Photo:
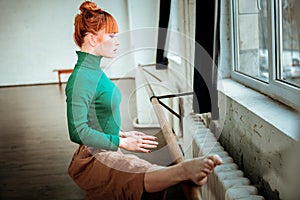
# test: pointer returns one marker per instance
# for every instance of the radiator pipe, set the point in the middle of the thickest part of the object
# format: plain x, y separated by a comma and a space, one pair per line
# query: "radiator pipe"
191, 191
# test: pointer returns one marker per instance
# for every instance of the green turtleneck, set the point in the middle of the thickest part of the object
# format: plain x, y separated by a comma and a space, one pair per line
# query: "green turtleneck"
92, 105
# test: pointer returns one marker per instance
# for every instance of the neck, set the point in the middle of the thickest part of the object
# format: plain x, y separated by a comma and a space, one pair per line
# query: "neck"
85, 59
88, 49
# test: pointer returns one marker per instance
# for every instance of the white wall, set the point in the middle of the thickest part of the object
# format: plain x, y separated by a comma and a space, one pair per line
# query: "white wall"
142, 18
37, 36
143, 15
257, 140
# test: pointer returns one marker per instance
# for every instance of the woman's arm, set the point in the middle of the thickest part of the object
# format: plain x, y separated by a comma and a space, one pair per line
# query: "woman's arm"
80, 91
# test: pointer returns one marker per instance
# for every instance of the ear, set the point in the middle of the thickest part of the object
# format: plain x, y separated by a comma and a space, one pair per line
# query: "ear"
92, 39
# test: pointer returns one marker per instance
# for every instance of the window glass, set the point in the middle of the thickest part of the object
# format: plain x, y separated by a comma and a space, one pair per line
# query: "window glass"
289, 70
267, 47
252, 26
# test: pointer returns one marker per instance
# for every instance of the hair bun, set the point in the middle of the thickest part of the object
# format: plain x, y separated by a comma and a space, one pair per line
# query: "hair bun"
88, 6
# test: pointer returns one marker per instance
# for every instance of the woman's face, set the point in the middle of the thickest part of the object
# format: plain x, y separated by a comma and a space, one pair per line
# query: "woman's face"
108, 46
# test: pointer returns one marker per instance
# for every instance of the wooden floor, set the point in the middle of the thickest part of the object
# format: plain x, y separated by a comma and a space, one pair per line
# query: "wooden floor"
34, 143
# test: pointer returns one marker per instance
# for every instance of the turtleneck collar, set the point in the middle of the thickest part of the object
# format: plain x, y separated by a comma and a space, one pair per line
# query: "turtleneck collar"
88, 60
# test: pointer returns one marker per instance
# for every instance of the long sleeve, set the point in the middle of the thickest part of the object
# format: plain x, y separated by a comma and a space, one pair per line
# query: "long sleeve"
81, 91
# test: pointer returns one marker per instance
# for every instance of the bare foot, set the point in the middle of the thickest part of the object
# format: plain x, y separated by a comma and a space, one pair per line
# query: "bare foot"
198, 169
216, 159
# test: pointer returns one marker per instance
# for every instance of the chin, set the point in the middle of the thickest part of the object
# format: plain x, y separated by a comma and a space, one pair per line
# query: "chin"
110, 56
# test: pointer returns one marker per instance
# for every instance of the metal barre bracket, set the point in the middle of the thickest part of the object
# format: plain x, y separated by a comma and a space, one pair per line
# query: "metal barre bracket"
170, 96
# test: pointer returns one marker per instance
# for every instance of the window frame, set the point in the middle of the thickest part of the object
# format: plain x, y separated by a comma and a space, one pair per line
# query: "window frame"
275, 88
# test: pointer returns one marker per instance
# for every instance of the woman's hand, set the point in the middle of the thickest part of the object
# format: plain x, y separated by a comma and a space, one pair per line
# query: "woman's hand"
137, 141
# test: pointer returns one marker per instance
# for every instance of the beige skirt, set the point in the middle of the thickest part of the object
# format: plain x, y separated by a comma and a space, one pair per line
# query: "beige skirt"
110, 175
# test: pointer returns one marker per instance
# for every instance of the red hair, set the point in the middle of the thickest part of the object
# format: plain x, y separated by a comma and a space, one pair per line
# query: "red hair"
91, 20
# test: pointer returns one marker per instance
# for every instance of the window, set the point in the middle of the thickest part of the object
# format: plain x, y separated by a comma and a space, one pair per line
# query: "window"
267, 47
173, 29
290, 47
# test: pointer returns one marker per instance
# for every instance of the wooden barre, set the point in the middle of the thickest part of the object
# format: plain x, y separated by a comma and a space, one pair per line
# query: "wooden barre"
191, 191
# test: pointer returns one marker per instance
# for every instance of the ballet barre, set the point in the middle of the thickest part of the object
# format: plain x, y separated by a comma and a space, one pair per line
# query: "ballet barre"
191, 191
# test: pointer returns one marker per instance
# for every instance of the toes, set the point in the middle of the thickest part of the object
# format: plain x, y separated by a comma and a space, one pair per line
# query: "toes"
216, 159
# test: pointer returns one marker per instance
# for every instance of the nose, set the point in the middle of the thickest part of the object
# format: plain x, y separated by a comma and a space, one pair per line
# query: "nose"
117, 43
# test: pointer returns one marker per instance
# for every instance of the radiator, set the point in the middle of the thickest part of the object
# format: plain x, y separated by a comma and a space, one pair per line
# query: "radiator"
226, 182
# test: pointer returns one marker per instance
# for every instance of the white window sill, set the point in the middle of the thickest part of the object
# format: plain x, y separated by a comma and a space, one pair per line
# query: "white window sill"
283, 118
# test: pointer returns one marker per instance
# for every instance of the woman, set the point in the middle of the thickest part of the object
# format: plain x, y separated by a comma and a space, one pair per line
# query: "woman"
98, 167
